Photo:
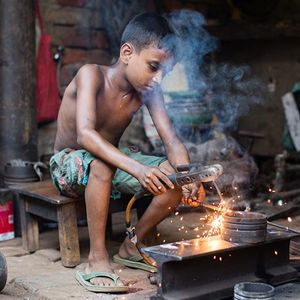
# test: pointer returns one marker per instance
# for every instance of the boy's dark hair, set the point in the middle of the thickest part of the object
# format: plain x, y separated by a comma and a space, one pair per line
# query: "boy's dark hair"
147, 29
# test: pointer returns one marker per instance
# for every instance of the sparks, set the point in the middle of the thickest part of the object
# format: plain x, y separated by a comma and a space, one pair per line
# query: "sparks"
216, 223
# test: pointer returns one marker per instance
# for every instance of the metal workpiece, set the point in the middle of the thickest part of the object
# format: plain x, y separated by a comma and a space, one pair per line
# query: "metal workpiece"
208, 268
244, 227
254, 291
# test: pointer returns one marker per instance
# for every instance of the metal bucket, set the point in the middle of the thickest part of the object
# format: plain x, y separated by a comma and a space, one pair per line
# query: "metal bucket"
253, 290
244, 227
19, 174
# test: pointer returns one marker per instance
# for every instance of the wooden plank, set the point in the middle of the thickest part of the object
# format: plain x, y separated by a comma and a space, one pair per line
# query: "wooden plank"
292, 117
68, 235
30, 228
42, 209
42, 190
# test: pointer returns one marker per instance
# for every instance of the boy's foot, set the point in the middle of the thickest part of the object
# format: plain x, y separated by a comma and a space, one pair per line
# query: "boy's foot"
102, 281
128, 249
130, 256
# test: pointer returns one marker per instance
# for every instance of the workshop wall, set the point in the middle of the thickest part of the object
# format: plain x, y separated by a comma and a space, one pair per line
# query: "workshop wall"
277, 62
266, 36
77, 26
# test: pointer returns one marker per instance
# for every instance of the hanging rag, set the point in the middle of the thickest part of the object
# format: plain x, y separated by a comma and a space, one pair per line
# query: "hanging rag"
47, 95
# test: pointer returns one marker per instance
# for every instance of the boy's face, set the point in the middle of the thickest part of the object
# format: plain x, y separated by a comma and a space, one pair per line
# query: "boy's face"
146, 68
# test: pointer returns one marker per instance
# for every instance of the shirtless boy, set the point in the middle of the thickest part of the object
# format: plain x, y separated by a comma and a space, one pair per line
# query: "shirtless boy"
97, 106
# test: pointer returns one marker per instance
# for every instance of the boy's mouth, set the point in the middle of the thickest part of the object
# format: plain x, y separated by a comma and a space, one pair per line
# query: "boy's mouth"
149, 87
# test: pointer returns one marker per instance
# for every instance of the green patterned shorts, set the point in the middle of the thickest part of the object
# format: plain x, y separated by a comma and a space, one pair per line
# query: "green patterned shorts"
70, 171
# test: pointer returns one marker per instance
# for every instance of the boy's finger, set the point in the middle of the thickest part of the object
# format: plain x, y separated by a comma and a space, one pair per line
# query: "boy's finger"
201, 193
194, 192
165, 179
195, 204
149, 187
154, 188
159, 185
184, 200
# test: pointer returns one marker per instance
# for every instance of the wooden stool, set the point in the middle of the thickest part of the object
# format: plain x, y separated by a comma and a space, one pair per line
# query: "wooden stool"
41, 199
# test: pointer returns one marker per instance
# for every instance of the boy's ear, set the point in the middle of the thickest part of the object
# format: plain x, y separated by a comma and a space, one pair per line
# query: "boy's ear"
126, 52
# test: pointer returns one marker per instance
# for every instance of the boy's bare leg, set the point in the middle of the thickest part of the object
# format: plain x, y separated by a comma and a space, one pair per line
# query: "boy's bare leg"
160, 207
97, 196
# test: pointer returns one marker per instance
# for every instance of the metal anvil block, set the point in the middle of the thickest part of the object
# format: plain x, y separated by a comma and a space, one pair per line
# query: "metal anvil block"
208, 268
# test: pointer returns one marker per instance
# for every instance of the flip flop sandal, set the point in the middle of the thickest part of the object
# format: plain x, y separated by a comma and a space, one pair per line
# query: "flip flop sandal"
84, 279
136, 262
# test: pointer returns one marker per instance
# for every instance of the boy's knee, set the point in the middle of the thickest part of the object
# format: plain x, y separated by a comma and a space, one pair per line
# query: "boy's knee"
101, 171
170, 197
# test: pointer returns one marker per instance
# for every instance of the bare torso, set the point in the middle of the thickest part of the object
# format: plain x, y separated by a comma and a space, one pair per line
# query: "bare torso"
114, 112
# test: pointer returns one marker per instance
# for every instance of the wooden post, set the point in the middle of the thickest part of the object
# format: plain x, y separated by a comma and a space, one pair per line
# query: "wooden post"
68, 235
30, 228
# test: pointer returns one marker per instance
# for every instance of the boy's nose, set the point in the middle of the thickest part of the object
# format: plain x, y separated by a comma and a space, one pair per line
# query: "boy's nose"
158, 77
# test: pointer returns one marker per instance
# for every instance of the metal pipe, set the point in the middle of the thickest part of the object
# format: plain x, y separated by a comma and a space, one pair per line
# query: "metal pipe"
18, 135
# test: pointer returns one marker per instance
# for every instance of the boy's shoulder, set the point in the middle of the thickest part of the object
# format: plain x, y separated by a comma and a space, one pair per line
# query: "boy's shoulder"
91, 69
91, 72
90, 76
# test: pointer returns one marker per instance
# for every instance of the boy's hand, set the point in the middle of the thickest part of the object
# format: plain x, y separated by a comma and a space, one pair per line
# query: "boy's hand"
193, 194
154, 180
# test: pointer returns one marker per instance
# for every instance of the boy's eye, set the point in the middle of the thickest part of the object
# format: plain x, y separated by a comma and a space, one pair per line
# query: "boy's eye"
153, 67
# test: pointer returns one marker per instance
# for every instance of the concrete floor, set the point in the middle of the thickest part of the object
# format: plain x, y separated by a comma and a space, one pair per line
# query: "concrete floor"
41, 276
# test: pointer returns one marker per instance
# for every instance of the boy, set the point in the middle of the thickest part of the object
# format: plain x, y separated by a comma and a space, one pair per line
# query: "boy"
97, 106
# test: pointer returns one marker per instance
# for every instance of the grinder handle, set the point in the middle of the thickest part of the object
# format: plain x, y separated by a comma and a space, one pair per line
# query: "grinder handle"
180, 179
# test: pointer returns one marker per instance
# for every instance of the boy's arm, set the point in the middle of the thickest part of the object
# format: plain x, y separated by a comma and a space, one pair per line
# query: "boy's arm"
90, 81
175, 149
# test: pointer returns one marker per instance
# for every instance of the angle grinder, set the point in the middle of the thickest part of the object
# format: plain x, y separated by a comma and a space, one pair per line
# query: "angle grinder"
185, 174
